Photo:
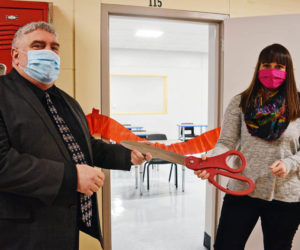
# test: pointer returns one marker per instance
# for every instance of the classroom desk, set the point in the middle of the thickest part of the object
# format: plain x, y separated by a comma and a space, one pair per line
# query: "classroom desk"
142, 134
131, 127
182, 127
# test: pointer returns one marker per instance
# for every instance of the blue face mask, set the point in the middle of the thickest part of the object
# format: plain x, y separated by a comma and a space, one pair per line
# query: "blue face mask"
43, 65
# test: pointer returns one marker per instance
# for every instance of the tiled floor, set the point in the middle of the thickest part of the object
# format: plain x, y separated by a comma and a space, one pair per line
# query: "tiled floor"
163, 218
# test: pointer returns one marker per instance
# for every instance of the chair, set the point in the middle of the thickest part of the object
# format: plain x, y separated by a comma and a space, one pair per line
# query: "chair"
157, 161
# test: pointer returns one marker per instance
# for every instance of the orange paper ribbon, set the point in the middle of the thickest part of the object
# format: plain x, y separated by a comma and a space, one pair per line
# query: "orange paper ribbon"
113, 130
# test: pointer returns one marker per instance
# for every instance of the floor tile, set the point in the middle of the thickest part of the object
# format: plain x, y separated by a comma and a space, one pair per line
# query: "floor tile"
162, 218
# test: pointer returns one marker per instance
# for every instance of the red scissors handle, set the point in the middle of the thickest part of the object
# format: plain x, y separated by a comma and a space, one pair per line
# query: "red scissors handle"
218, 161
216, 166
214, 172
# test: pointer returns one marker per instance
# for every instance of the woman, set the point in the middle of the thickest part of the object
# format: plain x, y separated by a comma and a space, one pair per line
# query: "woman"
263, 123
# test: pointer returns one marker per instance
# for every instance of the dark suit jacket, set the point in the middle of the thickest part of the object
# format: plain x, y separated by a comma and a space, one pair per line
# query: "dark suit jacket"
36, 212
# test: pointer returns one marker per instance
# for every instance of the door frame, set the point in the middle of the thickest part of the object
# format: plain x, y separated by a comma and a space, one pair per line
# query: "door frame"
125, 10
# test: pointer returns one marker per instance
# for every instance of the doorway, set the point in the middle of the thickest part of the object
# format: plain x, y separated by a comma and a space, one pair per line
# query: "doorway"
181, 67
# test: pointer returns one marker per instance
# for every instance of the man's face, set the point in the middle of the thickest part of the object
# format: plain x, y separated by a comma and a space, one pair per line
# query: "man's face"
35, 40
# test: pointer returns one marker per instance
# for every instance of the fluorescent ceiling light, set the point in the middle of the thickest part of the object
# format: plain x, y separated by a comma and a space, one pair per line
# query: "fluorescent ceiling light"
149, 33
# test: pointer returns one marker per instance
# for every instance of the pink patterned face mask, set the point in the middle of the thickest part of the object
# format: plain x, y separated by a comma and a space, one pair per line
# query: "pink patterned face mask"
271, 78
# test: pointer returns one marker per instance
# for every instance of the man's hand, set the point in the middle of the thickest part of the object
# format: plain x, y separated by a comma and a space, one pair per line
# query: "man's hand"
89, 179
137, 158
278, 168
203, 174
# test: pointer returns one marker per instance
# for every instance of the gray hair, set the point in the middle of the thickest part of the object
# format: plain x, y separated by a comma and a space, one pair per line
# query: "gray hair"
30, 27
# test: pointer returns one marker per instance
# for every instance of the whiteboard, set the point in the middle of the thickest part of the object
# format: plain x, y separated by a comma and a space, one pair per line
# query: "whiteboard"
138, 94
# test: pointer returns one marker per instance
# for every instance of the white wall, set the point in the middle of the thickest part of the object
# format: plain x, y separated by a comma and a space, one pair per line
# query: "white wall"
187, 86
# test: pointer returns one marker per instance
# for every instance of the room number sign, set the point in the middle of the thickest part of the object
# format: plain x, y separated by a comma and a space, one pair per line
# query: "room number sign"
155, 3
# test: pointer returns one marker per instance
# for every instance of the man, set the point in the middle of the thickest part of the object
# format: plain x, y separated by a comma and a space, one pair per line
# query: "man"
47, 182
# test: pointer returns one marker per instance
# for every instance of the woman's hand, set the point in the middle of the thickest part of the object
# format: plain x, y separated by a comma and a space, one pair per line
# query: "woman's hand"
278, 168
203, 174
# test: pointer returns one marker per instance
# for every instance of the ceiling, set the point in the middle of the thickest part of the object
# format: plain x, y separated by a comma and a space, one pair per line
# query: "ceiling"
177, 35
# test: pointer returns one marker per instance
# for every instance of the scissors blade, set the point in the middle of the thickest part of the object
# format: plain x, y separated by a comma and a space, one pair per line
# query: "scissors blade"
155, 152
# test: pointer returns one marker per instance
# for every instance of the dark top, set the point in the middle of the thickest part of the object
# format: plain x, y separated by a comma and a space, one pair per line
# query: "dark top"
70, 173
38, 177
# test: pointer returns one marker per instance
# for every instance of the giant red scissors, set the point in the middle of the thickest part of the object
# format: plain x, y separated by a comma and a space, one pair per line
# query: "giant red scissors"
213, 165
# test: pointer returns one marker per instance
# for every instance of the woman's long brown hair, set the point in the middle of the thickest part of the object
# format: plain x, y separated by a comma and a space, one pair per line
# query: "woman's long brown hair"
275, 53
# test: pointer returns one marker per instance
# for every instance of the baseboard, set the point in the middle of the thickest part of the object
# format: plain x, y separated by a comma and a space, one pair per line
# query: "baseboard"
206, 241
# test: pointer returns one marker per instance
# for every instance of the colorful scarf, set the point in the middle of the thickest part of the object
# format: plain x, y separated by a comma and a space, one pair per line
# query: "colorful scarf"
268, 118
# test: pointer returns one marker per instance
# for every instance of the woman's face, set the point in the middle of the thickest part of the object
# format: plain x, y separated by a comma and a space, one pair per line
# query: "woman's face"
272, 65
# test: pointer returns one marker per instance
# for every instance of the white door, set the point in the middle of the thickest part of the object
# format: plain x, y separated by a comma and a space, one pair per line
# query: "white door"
244, 38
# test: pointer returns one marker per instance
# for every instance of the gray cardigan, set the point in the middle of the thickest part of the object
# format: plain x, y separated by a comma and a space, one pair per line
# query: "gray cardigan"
260, 154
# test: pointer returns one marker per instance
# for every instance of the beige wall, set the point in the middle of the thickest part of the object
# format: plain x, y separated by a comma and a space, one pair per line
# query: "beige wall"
242, 8
87, 53
63, 20
213, 6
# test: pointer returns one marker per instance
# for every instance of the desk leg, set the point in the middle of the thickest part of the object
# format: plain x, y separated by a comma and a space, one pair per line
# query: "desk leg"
183, 177
136, 176
141, 179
